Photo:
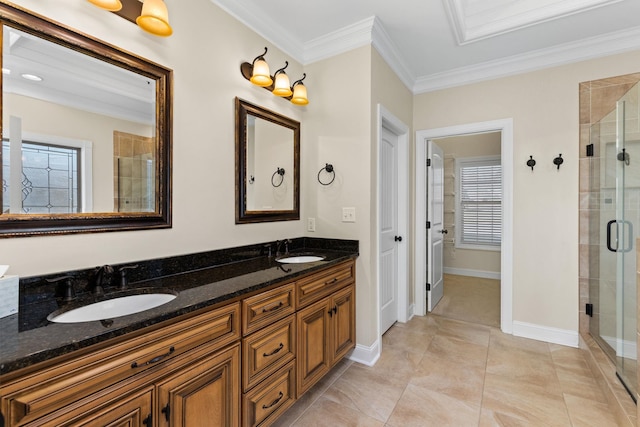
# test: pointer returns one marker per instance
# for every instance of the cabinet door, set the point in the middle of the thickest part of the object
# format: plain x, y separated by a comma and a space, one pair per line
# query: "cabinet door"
343, 323
313, 356
204, 393
130, 411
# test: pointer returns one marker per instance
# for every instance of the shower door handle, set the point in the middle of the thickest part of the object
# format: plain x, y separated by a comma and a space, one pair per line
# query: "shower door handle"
625, 225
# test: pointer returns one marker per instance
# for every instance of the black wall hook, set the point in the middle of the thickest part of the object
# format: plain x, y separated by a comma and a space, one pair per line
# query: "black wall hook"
531, 163
558, 160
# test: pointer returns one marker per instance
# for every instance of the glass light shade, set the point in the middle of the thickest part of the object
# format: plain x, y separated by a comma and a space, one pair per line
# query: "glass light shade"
154, 18
260, 75
300, 95
282, 85
110, 5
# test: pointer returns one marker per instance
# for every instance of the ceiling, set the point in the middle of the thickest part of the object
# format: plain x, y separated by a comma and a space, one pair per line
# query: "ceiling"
434, 44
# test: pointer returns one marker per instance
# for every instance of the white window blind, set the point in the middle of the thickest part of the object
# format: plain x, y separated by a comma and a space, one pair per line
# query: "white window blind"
479, 207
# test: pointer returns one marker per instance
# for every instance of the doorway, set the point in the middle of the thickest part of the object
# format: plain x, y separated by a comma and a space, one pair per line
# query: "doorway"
505, 128
470, 228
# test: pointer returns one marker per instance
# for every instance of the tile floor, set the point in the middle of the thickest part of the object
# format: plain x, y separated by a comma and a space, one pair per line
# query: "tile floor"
437, 371
473, 299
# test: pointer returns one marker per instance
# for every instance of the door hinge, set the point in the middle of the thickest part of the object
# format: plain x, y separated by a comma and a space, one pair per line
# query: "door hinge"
428, 286
590, 150
428, 162
589, 309
148, 421
428, 225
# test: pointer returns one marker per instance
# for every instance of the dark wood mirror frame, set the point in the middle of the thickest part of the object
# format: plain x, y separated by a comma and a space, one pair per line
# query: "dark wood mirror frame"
244, 108
16, 225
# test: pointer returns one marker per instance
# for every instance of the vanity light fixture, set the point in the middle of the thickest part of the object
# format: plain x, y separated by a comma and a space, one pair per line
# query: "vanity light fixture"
260, 71
150, 15
281, 86
257, 72
110, 5
154, 18
300, 92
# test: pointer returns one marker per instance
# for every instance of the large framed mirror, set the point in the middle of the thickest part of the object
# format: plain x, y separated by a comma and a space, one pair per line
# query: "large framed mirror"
267, 165
86, 132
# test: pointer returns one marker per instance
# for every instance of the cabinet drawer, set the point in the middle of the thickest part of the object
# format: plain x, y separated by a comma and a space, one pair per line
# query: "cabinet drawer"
267, 350
266, 402
317, 286
73, 377
267, 307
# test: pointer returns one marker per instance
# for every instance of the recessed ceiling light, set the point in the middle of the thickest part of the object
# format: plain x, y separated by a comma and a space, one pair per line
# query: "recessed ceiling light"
32, 77
6, 71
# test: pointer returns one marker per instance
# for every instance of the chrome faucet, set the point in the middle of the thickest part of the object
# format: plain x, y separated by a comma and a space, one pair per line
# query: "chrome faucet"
97, 286
279, 246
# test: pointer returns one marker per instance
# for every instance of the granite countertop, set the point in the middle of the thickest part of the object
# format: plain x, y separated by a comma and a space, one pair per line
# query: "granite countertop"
21, 346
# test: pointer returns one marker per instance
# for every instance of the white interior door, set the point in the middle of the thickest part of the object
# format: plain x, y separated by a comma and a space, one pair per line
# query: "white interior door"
389, 238
436, 230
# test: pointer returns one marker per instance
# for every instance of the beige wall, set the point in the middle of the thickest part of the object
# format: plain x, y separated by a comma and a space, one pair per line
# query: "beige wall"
544, 108
456, 147
336, 130
338, 127
206, 63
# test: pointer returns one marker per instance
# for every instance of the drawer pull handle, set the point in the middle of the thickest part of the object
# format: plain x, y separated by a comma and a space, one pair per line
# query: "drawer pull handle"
280, 347
273, 308
331, 282
155, 359
274, 403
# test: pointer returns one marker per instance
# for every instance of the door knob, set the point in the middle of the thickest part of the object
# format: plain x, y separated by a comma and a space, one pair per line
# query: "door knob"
398, 238
444, 231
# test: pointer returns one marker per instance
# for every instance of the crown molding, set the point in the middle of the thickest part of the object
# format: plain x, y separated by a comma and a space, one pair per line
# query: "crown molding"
391, 54
265, 27
591, 48
491, 19
339, 41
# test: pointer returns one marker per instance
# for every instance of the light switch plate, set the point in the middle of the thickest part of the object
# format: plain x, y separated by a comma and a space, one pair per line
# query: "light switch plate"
348, 214
311, 224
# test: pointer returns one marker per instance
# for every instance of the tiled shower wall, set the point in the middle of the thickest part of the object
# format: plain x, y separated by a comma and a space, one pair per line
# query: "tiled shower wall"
131, 154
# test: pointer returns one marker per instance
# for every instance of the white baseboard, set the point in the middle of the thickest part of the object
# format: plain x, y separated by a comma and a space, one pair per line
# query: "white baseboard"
366, 355
473, 273
410, 311
546, 334
629, 348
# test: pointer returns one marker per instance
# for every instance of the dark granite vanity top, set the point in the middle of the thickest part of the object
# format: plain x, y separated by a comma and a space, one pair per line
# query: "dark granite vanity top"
201, 280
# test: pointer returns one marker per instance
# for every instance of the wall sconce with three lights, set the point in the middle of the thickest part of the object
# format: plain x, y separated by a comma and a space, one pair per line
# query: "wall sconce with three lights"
258, 73
150, 15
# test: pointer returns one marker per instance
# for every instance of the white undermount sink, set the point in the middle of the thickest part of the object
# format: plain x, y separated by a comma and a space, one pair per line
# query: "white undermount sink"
110, 308
299, 259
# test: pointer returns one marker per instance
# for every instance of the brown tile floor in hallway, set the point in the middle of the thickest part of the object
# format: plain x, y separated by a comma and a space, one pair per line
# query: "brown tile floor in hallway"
440, 372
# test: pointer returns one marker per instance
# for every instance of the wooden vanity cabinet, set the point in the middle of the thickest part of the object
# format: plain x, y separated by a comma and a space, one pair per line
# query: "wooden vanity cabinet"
125, 373
243, 363
326, 328
268, 355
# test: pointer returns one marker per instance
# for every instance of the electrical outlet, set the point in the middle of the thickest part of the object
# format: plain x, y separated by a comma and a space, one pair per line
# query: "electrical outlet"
311, 224
348, 214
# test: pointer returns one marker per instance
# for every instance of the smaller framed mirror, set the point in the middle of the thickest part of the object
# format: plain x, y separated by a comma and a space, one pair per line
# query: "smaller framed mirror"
267, 165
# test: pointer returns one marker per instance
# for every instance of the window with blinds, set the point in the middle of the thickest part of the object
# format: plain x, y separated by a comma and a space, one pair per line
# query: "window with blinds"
479, 203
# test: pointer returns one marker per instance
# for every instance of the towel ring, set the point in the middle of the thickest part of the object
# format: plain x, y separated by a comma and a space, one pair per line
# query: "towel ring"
279, 171
329, 168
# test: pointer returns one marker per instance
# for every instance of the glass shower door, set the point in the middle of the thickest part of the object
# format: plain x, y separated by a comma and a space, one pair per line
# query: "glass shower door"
613, 292
623, 242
